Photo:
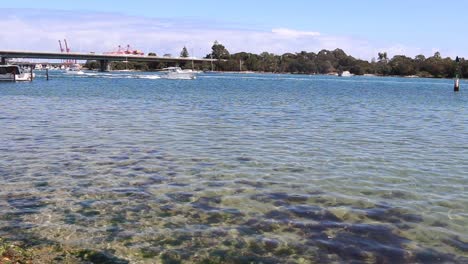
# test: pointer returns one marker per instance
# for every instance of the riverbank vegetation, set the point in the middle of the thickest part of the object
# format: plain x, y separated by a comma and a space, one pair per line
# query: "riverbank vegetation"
322, 62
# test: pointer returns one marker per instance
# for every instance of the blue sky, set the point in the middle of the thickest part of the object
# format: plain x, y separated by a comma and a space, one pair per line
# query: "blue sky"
361, 28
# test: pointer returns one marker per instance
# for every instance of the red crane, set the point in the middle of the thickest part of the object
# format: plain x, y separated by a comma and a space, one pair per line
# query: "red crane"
66, 46
67, 50
60, 44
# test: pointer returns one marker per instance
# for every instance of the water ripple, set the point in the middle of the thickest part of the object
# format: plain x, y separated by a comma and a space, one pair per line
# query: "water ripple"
227, 168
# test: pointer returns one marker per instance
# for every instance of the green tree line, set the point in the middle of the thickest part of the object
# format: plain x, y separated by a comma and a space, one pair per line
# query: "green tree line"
323, 62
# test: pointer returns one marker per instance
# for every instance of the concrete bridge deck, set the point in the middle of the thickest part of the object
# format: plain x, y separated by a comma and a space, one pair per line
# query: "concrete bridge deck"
104, 59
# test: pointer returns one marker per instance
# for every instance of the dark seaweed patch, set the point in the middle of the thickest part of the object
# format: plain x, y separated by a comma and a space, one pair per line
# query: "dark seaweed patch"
216, 184
99, 257
397, 194
142, 207
88, 213
204, 203
178, 184
439, 224
312, 212
256, 184
170, 257
120, 157
26, 204
243, 159
149, 252
392, 215
433, 256
156, 180
138, 168
278, 215
290, 169
264, 225
172, 174
182, 197
310, 229
41, 184
457, 243
360, 242
280, 198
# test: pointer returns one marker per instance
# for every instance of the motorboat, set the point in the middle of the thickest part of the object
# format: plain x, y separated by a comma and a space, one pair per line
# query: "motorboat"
178, 73
15, 73
345, 74
74, 69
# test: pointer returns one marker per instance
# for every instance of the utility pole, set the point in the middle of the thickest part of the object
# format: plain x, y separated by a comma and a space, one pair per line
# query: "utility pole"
193, 55
211, 62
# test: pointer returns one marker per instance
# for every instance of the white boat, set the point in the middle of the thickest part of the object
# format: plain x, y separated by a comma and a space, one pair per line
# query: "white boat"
80, 72
178, 73
15, 73
74, 69
345, 74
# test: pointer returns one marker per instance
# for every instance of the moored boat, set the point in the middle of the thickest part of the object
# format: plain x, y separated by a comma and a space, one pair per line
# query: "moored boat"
15, 73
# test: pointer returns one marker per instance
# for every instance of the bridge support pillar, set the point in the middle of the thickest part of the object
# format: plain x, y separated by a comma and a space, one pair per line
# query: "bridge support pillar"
2, 61
104, 66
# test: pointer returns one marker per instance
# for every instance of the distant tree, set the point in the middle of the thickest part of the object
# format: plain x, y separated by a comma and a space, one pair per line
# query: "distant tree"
92, 64
402, 65
141, 66
268, 62
450, 67
326, 61
184, 53
325, 67
383, 57
337, 60
167, 55
339, 54
152, 54
463, 68
420, 58
252, 62
381, 66
218, 51
435, 66
357, 70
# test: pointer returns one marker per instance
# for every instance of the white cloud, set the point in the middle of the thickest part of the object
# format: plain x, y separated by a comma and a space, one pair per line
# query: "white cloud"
291, 33
100, 32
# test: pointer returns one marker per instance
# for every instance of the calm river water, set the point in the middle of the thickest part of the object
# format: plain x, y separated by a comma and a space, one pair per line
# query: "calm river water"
234, 168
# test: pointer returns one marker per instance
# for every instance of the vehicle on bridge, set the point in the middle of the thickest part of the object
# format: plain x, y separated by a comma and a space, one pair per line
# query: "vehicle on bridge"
15, 73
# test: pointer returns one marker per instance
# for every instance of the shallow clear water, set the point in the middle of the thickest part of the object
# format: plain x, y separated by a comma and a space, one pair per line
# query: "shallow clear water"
236, 168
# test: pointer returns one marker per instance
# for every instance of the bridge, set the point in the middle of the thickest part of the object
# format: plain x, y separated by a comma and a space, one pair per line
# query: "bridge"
104, 59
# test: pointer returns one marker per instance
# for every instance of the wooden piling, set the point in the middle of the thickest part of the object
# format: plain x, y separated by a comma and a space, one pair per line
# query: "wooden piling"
47, 73
31, 72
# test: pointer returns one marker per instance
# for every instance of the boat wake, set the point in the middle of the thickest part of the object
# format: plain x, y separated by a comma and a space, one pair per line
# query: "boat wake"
82, 74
